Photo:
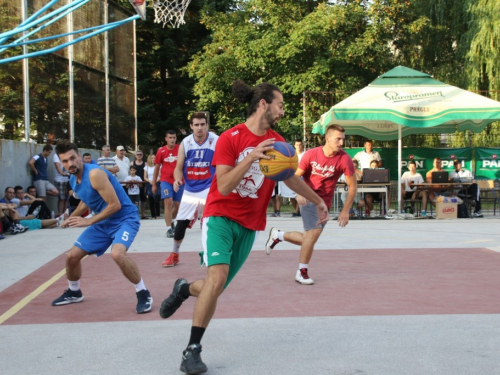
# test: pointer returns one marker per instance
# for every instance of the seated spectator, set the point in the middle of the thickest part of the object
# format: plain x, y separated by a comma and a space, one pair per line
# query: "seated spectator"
370, 197
133, 182
38, 165
435, 190
472, 190
408, 190
9, 216
37, 206
358, 200
87, 158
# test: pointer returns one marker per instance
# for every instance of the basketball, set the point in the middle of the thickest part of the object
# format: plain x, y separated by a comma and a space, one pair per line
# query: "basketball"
283, 162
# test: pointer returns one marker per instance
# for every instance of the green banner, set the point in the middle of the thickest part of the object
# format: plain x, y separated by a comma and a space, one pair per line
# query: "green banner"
423, 157
487, 163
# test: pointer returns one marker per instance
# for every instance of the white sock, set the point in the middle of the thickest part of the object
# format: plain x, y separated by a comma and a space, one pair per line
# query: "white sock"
302, 265
74, 285
177, 247
281, 235
140, 286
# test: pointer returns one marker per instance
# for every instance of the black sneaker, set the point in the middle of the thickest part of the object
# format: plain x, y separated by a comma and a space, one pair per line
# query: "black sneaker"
144, 301
191, 360
69, 296
170, 305
170, 233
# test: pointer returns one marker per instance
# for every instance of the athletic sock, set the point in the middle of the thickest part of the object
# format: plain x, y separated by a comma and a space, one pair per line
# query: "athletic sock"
177, 247
184, 291
140, 286
281, 235
302, 265
74, 285
196, 335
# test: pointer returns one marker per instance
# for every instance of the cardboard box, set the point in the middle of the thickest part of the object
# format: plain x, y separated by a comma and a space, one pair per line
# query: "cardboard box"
446, 210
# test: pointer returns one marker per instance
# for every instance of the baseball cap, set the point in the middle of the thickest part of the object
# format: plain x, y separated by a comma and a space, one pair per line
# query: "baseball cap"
119, 148
456, 161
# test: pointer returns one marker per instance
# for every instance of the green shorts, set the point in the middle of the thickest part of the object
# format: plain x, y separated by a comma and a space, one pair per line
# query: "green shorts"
226, 242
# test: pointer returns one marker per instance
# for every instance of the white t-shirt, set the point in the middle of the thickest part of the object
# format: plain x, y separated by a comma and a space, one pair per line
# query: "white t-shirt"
414, 178
57, 176
133, 189
364, 158
150, 171
124, 166
22, 210
462, 173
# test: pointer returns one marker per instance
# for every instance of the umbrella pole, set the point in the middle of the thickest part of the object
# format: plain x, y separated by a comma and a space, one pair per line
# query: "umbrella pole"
399, 167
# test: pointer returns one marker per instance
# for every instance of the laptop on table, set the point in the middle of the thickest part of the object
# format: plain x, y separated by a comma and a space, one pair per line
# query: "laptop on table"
374, 176
439, 177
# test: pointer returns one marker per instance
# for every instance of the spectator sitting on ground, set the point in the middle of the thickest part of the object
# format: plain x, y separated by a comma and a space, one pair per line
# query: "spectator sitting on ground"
38, 207
366, 156
10, 217
472, 190
38, 165
408, 190
435, 189
87, 158
358, 199
107, 162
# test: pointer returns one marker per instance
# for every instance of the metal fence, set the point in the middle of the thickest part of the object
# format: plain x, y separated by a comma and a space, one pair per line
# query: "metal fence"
85, 92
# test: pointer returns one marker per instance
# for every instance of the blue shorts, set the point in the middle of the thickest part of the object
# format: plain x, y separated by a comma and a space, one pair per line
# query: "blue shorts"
167, 191
98, 237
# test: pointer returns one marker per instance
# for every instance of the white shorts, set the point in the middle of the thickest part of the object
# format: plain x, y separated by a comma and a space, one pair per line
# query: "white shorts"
192, 204
285, 191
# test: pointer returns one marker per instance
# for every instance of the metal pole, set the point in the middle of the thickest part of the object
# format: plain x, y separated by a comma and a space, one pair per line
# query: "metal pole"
26, 80
106, 70
71, 93
135, 88
304, 119
399, 166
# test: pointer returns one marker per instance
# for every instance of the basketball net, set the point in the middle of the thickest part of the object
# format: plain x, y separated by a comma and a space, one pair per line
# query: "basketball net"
170, 11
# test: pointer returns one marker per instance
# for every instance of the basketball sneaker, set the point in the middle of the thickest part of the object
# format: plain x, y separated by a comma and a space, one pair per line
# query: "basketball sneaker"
191, 360
69, 296
144, 301
303, 278
272, 241
171, 261
170, 305
170, 233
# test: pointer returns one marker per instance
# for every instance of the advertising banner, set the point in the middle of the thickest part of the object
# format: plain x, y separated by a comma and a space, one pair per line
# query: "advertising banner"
487, 163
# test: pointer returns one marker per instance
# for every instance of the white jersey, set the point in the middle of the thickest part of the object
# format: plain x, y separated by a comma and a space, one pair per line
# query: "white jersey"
198, 170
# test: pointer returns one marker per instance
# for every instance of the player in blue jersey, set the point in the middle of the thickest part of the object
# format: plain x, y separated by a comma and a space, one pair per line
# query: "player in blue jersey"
194, 163
116, 223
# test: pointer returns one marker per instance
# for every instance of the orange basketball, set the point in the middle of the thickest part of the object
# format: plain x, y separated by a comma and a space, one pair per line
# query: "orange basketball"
283, 163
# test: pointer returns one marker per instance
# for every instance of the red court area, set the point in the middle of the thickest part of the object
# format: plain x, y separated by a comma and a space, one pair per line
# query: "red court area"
347, 283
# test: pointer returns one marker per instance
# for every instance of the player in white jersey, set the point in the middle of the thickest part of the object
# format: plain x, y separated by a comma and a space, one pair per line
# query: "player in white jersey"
194, 163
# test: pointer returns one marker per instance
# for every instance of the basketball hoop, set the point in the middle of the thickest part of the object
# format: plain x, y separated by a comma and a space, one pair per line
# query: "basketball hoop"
170, 11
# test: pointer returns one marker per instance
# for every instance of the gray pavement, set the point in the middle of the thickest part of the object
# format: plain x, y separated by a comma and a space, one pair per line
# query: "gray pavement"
376, 345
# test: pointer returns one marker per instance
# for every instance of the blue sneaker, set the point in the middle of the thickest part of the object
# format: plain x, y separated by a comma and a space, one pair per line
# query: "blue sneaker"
2, 237
144, 301
69, 296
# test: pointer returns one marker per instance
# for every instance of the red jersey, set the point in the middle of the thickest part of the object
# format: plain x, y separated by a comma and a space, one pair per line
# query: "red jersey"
167, 158
247, 204
322, 172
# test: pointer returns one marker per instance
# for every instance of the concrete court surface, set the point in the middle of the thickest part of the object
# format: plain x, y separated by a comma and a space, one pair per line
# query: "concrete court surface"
390, 297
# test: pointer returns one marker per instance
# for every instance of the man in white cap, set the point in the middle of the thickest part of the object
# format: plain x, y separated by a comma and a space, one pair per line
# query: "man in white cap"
123, 164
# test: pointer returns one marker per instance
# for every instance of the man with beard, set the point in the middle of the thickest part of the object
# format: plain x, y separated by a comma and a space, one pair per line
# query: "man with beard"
194, 169
235, 210
115, 223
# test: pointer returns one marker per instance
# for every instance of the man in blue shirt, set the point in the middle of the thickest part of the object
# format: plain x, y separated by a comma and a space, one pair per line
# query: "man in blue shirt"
115, 223
38, 165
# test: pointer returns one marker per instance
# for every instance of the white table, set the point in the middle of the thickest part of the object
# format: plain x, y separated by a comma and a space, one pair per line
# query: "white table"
362, 188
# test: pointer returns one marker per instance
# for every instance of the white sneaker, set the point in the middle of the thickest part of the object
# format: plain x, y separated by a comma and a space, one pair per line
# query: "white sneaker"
303, 278
477, 214
272, 241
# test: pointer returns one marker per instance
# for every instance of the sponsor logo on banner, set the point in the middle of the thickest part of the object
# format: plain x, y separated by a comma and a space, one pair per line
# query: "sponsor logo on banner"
395, 97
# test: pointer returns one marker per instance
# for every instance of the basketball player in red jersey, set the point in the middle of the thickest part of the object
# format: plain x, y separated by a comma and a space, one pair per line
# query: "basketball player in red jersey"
235, 210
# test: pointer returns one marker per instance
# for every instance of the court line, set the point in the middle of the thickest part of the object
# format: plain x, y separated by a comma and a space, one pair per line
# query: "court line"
30, 297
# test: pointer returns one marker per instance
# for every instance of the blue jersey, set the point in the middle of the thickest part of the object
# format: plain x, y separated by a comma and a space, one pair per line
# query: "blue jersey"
198, 169
93, 199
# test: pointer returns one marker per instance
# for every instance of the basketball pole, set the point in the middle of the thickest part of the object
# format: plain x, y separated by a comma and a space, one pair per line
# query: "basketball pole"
26, 81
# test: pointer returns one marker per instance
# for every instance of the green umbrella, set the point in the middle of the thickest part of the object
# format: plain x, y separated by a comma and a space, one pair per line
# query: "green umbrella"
404, 101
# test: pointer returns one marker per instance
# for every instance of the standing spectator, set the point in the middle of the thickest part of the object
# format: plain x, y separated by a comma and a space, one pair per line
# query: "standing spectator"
38, 165
133, 186
107, 162
235, 210
123, 164
61, 179
166, 158
276, 201
115, 224
321, 167
366, 156
153, 198
299, 148
139, 165
194, 165
87, 158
